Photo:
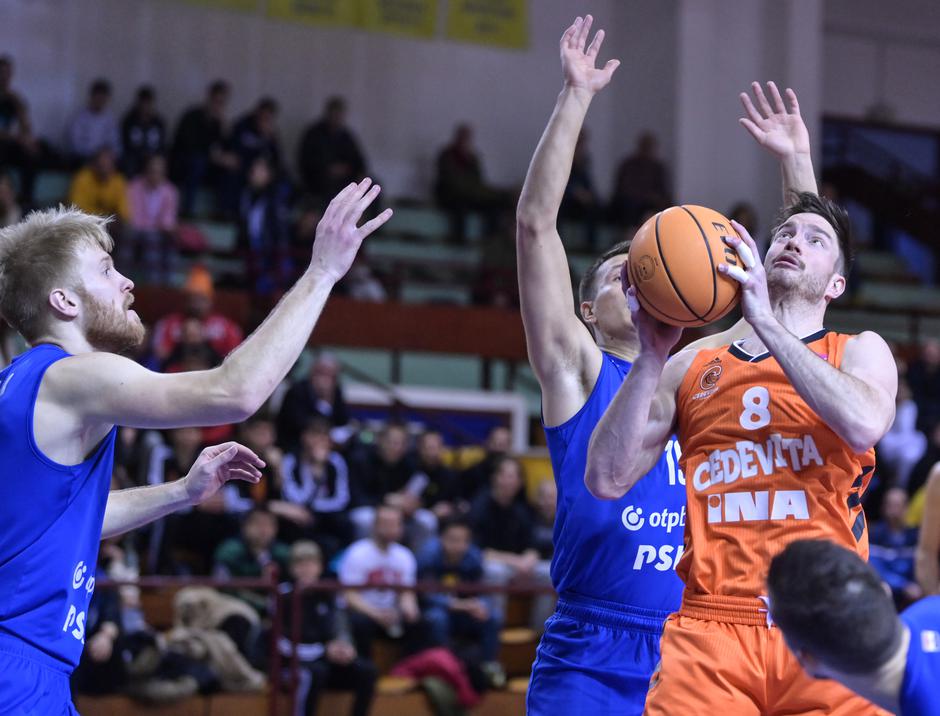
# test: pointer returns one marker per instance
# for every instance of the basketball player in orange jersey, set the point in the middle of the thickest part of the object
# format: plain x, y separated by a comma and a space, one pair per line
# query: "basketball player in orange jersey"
777, 432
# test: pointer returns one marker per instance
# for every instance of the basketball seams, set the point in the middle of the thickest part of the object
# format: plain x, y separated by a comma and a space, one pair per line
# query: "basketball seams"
649, 307
711, 259
675, 288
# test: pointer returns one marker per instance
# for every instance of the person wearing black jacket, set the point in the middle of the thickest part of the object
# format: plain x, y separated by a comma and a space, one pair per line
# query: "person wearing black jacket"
143, 132
319, 395
327, 656
330, 157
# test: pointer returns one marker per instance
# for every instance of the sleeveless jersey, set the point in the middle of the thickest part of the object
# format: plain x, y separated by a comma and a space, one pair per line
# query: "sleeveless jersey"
51, 517
919, 692
762, 469
625, 550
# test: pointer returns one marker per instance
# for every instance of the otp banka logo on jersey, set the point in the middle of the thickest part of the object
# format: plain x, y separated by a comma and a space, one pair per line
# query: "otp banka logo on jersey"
75, 619
633, 519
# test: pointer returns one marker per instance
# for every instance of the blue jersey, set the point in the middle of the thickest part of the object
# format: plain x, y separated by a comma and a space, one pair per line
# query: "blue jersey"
920, 694
51, 517
623, 551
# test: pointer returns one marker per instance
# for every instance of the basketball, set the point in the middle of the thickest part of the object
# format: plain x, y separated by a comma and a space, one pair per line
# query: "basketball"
673, 265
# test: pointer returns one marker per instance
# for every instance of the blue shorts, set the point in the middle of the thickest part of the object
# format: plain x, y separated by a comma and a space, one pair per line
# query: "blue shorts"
595, 659
31, 682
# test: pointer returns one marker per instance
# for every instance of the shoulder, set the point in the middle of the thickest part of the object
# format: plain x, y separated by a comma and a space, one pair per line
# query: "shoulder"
402, 554
230, 549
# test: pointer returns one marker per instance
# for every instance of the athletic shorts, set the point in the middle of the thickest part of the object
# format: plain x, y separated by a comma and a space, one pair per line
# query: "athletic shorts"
595, 659
32, 683
722, 656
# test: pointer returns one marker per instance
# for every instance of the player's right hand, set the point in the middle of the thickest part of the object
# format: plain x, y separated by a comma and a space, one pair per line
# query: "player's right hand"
656, 338
577, 64
338, 236
780, 130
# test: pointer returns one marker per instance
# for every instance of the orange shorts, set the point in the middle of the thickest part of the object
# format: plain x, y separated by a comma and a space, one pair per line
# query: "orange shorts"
720, 658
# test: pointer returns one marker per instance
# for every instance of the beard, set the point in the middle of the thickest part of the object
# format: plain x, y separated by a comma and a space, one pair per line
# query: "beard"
796, 284
110, 329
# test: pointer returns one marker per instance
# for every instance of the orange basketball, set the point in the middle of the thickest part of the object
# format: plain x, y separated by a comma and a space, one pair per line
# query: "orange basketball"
673, 264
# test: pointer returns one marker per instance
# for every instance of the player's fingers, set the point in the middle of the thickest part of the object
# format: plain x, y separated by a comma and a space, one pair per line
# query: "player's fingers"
584, 30
752, 128
595, 46
350, 209
568, 34
735, 272
762, 99
794, 102
632, 302
778, 100
748, 253
749, 108
611, 67
236, 474
366, 201
373, 224
333, 208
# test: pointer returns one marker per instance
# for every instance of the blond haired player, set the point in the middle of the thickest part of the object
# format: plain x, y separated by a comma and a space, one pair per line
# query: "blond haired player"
777, 432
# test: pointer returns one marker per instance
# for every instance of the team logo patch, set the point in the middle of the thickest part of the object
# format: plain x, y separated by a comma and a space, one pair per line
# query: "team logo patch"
930, 641
645, 268
708, 381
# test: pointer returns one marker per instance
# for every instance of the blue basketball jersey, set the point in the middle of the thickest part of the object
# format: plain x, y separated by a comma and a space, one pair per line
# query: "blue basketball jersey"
621, 551
920, 693
51, 517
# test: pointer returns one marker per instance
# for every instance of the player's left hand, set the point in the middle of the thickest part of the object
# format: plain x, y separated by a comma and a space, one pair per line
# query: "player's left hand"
578, 63
218, 464
755, 299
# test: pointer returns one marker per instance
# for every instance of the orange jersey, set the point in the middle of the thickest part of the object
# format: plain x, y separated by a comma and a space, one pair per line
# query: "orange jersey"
761, 468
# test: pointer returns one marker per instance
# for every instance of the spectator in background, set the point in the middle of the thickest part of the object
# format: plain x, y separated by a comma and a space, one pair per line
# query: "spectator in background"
201, 153
318, 395
437, 482
99, 188
193, 352
222, 333
330, 157
264, 230
19, 148
154, 206
361, 284
642, 183
923, 375
476, 478
314, 490
95, 127
893, 545
903, 445
255, 553
255, 137
381, 560
460, 186
453, 560
927, 561
381, 470
581, 202
546, 498
143, 132
328, 659
504, 530
10, 211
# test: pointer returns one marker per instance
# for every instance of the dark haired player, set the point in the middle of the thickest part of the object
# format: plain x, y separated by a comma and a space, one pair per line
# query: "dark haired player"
838, 618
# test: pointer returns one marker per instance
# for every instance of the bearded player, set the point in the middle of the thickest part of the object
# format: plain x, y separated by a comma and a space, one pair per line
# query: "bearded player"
61, 400
777, 431
613, 562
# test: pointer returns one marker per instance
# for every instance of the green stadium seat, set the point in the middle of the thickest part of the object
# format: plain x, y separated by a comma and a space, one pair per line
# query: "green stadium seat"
51, 188
443, 370
222, 236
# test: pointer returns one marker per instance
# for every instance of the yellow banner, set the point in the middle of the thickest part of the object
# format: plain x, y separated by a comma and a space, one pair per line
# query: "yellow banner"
243, 5
416, 18
489, 22
316, 12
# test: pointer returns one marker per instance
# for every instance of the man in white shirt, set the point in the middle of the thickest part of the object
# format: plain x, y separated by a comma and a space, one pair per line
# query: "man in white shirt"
381, 560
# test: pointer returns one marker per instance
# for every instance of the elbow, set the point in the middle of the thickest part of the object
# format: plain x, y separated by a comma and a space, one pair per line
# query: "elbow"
603, 486
863, 438
532, 221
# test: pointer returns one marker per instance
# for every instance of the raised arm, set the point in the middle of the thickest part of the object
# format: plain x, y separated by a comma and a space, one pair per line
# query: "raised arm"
103, 388
781, 131
927, 564
631, 435
560, 347
857, 399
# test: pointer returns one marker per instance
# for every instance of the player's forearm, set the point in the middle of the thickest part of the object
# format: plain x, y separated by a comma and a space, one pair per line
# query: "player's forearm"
851, 408
798, 175
135, 507
254, 369
617, 456
548, 172
927, 572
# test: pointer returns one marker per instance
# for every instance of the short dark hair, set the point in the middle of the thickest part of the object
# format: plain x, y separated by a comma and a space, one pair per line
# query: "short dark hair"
145, 93
806, 202
452, 522
267, 104
587, 288
831, 603
335, 103
100, 86
218, 87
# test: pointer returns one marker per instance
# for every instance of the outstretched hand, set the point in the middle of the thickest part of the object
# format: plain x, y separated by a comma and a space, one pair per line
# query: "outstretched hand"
577, 63
218, 464
777, 128
338, 236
